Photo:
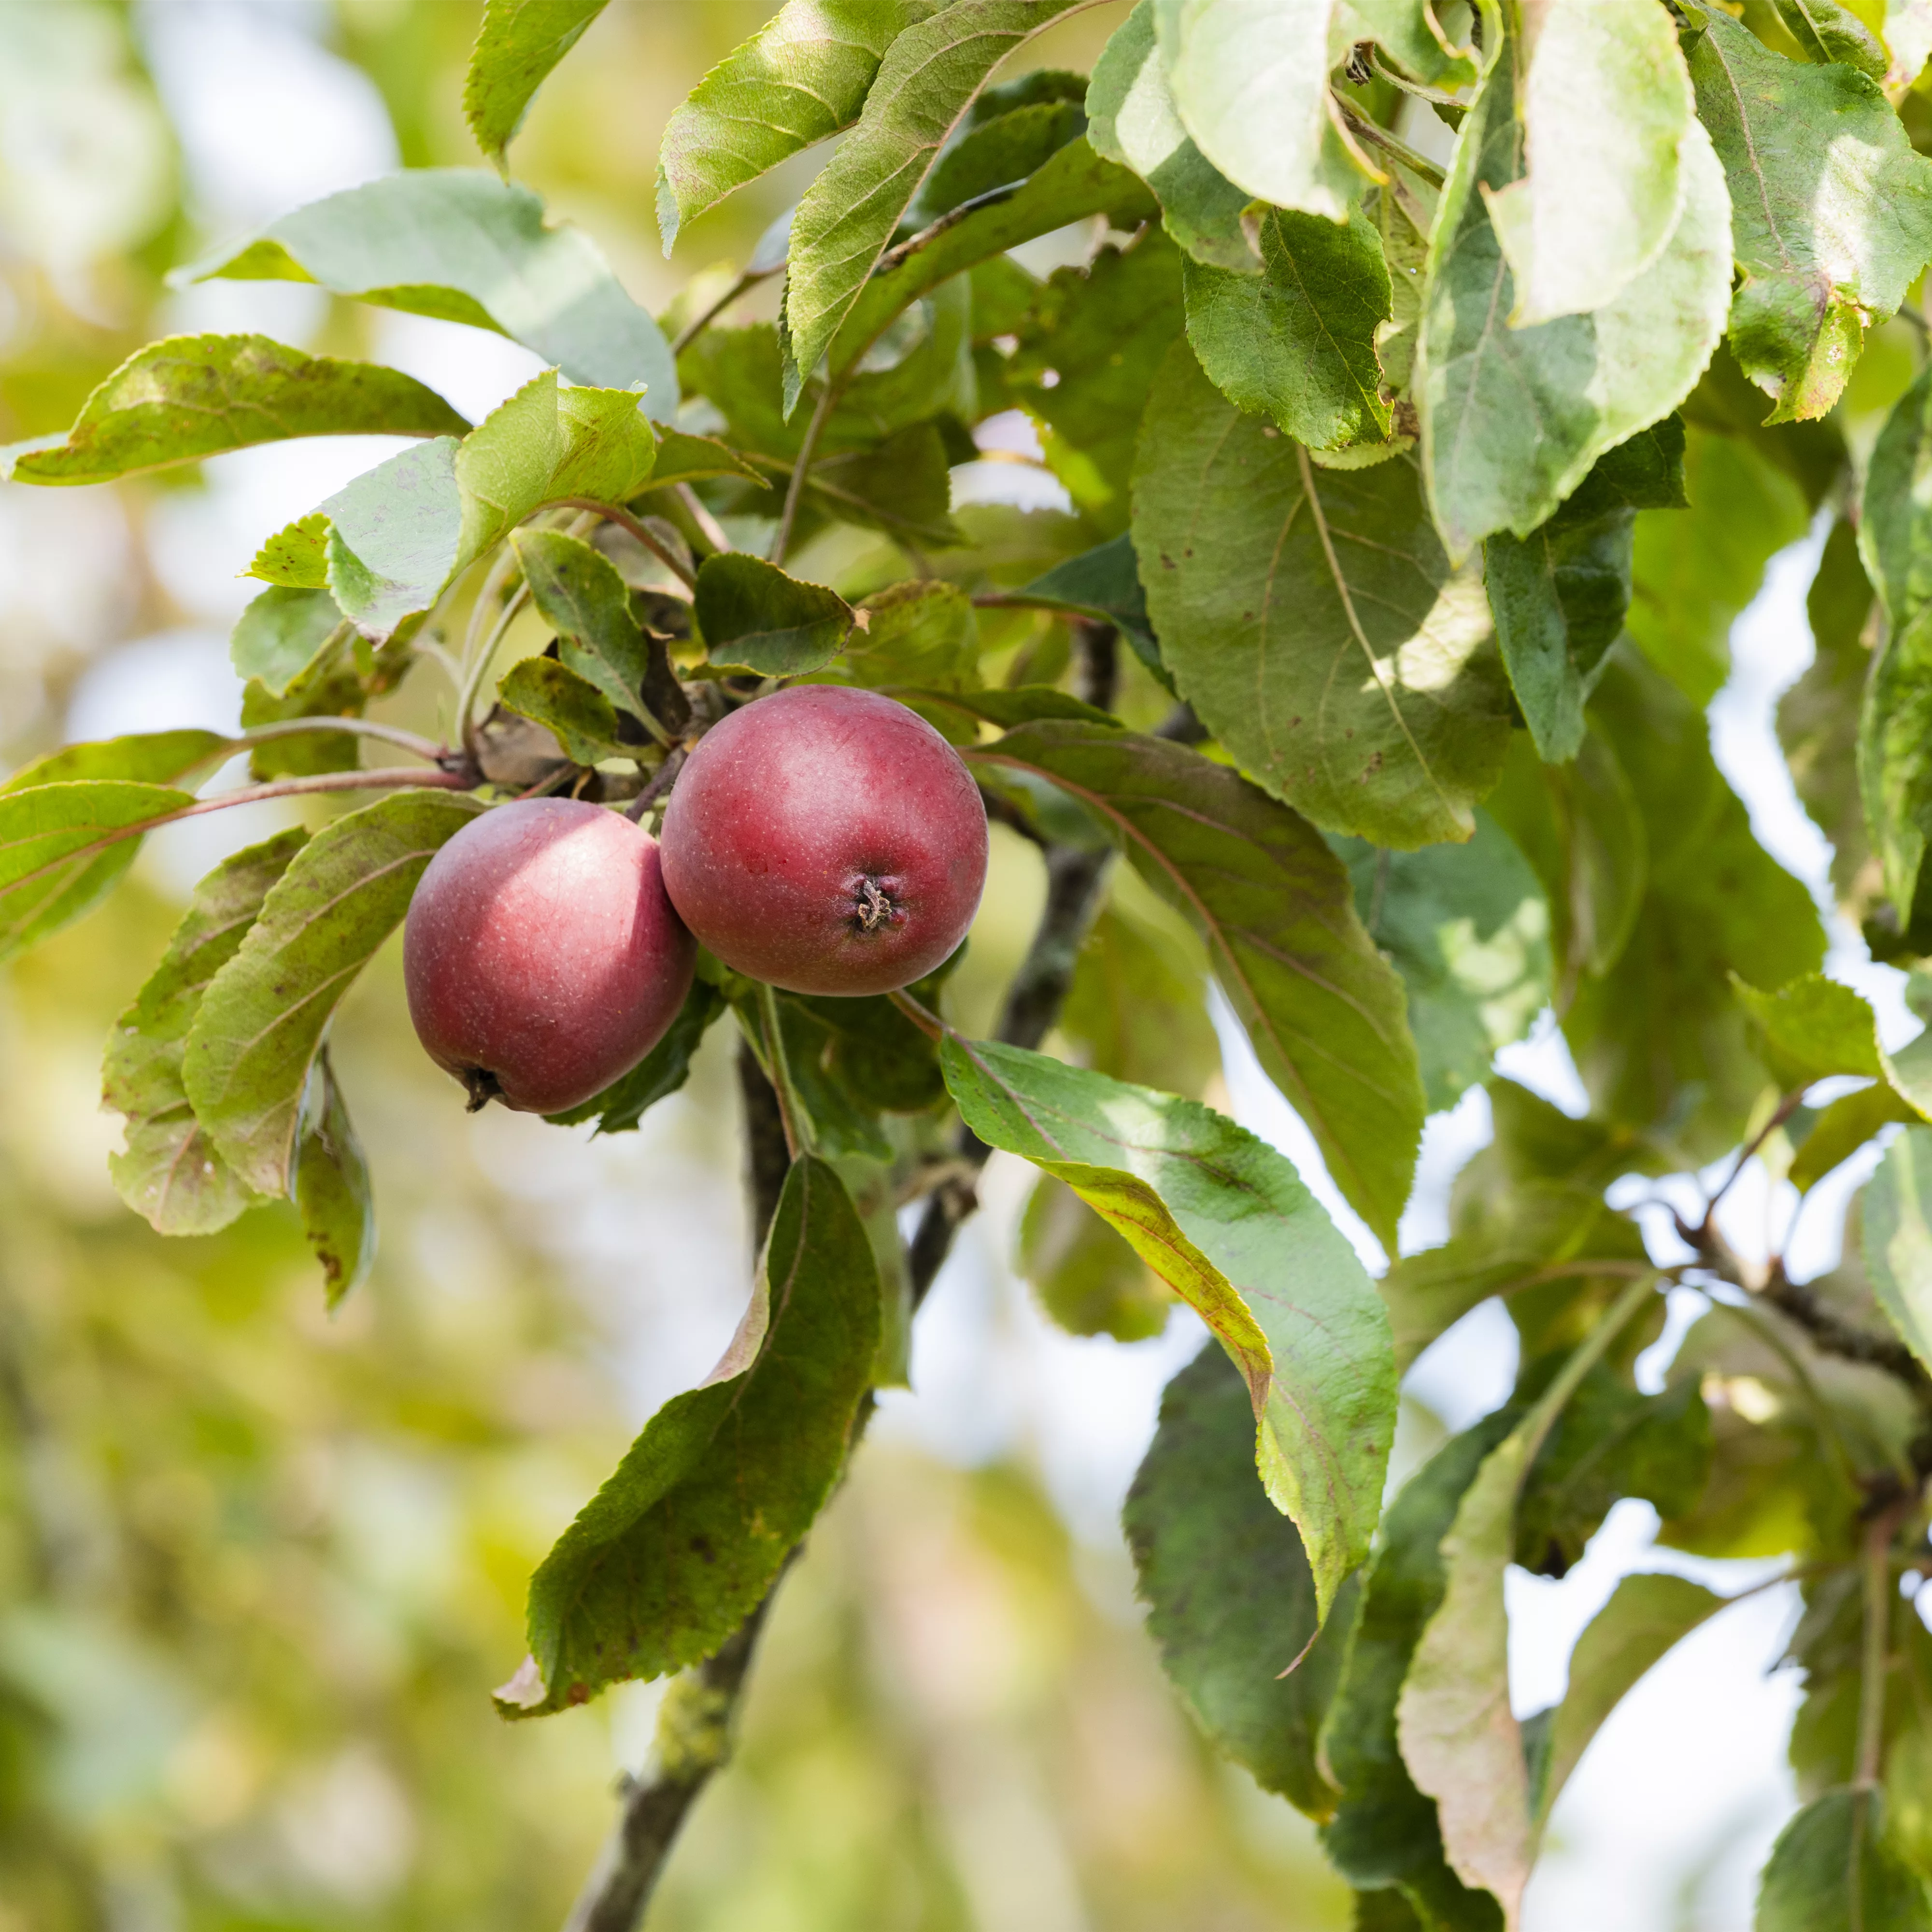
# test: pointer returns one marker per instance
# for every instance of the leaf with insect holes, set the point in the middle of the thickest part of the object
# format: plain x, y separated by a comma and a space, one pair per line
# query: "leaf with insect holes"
187, 396
679, 1545
262, 1021
1313, 621
461, 245
1325, 1011
169, 1173
1225, 1221
63, 846
1231, 1601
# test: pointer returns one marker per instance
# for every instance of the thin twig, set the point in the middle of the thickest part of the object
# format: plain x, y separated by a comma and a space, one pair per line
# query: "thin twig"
384, 778
661, 781
691, 331
360, 727
615, 513
1417, 164
801, 467
709, 527
1874, 1655
897, 257
797, 1128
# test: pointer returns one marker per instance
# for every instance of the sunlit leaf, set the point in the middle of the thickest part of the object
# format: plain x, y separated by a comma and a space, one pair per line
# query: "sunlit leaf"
64, 845
1312, 620
578, 592
1226, 1223
1831, 210
461, 244
1514, 418
517, 45
798, 80
281, 635
1897, 1238
570, 708
753, 616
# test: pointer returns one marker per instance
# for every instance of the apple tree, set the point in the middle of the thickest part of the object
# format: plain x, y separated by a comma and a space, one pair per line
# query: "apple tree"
1411, 501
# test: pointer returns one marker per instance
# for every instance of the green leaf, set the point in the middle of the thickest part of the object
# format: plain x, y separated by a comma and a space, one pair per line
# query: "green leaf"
1410, 31
1606, 109
1844, 1126
1897, 1238
1527, 1220
1468, 927
1460, 1742
683, 1541
1313, 621
1324, 1010
262, 1019
1895, 541
798, 81
1831, 1871
570, 708
687, 459
1009, 134
1086, 1277
1104, 583
187, 396
332, 685
1646, 1616
518, 43
1657, 1038
923, 633
1225, 1221
1297, 343
169, 1174
663, 1070
1075, 184
1908, 35
281, 635
1089, 353
1131, 118
926, 83
1694, 572
1828, 31
1231, 1601
1514, 418
148, 757
1814, 1028
397, 536
578, 592
546, 443
754, 617
331, 1186
902, 486
1250, 82
461, 245
296, 558
1024, 704
1384, 1833
1818, 716
63, 846
1831, 211
1560, 595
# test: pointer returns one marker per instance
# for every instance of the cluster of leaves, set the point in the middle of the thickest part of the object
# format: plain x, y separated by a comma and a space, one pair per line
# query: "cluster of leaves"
1423, 497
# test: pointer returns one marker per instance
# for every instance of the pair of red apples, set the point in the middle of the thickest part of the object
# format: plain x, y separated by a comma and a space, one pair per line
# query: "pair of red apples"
824, 840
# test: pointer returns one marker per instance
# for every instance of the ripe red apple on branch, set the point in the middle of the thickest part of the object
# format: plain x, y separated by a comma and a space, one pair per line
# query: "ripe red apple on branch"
542, 957
826, 840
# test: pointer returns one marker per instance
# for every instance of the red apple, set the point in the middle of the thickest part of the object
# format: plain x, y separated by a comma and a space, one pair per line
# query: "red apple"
542, 957
826, 840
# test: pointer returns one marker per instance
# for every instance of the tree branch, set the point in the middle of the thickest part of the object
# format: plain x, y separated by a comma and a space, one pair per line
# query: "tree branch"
696, 1726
